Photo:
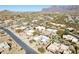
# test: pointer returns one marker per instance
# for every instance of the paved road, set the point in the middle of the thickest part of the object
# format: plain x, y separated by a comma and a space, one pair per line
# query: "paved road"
27, 49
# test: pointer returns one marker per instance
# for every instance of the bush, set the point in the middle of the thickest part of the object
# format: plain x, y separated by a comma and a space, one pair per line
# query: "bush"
66, 32
31, 41
19, 30
36, 33
60, 32
56, 38
41, 49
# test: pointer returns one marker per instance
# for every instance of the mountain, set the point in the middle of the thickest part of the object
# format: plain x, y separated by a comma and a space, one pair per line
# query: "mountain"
62, 8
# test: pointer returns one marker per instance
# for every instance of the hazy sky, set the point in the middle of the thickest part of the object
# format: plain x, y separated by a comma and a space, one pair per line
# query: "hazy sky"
23, 7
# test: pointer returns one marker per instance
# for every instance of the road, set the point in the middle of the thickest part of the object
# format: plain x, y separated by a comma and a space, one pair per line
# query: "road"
28, 50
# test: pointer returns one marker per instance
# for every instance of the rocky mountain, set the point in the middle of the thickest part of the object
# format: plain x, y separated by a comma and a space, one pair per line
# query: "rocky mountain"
62, 8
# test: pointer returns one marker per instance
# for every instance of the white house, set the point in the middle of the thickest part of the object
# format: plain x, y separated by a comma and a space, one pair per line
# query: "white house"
29, 32
50, 31
70, 29
70, 37
41, 38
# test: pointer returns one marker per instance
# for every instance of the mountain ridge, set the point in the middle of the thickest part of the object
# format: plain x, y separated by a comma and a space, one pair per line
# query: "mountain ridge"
62, 8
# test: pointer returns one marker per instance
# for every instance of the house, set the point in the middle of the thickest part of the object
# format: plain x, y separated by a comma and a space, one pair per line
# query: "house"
70, 37
58, 48
29, 32
50, 31
41, 38
58, 25
71, 29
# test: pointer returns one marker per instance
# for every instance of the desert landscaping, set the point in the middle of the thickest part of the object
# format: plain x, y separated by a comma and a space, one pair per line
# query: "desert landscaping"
44, 32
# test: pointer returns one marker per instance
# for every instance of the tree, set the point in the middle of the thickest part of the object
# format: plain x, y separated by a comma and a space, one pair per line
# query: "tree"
60, 32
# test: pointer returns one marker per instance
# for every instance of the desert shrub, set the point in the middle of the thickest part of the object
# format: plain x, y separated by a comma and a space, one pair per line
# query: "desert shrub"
36, 33
76, 32
71, 47
18, 15
60, 32
19, 30
31, 41
56, 38
66, 31
41, 49
66, 42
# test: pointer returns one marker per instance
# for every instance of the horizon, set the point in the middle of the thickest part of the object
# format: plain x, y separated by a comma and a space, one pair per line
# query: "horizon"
23, 8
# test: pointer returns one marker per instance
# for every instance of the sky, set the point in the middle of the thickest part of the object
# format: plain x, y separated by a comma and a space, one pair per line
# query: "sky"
23, 7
